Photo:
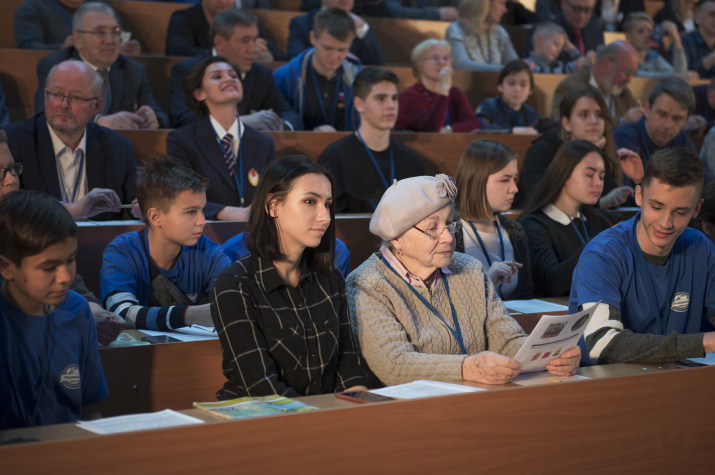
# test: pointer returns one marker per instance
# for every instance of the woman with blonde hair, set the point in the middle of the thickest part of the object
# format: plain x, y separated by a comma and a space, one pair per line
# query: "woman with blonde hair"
432, 104
479, 42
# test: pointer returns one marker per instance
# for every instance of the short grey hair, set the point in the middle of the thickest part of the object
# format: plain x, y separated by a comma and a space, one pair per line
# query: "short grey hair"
92, 7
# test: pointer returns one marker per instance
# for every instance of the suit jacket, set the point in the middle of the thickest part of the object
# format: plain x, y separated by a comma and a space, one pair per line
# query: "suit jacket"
580, 80
128, 81
259, 93
196, 147
109, 160
367, 49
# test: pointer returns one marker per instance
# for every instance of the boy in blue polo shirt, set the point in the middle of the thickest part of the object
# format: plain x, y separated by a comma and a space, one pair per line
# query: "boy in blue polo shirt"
654, 275
155, 278
49, 361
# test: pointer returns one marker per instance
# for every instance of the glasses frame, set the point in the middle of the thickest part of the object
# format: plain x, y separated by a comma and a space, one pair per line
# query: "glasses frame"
59, 97
102, 32
17, 168
453, 227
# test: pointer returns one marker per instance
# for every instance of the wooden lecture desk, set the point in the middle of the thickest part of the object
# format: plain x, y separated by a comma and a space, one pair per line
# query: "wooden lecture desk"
628, 419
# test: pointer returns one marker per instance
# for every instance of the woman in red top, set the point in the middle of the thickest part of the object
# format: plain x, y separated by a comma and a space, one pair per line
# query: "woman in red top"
432, 104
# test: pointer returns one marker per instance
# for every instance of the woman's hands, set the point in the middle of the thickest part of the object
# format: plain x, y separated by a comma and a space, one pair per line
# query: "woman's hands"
615, 197
567, 364
501, 272
631, 164
489, 368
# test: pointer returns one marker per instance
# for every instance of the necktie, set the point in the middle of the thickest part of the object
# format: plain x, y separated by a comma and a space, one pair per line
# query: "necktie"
228, 152
578, 41
106, 98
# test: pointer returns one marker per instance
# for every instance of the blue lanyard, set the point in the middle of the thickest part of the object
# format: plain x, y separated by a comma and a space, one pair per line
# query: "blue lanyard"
77, 182
488, 56
456, 331
320, 96
377, 167
484, 249
645, 140
429, 96
662, 313
226, 149
64, 13
585, 231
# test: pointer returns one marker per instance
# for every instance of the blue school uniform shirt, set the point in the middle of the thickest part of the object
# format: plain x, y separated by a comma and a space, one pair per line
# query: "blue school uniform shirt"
495, 113
125, 269
610, 270
237, 247
64, 345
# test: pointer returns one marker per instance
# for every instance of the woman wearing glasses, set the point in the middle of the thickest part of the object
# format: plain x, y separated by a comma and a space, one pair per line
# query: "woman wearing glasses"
420, 310
432, 104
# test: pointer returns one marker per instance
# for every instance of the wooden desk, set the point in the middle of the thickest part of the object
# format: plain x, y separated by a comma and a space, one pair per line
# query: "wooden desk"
659, 421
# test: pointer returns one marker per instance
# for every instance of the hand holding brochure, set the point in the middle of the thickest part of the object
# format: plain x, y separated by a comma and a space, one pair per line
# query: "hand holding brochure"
552, 335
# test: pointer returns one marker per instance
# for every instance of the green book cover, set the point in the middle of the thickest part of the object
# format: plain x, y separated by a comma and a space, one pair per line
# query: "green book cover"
253, 406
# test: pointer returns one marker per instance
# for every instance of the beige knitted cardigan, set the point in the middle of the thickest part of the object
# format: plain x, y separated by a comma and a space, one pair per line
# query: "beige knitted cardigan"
403, 341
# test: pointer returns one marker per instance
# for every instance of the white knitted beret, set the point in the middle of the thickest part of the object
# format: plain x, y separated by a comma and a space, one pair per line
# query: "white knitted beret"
409, 201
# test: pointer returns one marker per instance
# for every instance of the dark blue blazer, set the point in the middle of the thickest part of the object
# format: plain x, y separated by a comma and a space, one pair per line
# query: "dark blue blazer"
127, 78
368, 49
109, 160
259, 93
196, 147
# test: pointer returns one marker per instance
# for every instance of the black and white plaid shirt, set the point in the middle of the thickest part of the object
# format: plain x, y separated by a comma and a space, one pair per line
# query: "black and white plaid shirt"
277, 339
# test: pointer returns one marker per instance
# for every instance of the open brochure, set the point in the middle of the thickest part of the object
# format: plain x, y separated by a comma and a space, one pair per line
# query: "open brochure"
552, 335
253, 406
423, 388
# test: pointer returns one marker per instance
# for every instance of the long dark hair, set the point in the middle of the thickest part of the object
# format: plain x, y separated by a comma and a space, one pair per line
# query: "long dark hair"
194, 80
562, 166
275, 184
609, 151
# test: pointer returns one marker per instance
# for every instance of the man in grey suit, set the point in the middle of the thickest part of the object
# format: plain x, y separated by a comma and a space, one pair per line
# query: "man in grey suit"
128, 102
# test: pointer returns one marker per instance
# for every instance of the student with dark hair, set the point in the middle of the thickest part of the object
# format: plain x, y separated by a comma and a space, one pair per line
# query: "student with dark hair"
281, 312
699, 44
367, 162
432, 104
219, 146
486, 175
705, 219
560, 220
583, 116
670, 103
318, 82
155, 278
654, 276
50, 361
509, 111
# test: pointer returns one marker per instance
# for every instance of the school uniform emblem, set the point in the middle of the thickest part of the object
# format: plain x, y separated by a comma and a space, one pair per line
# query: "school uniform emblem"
253, 177
681, 302
70, 377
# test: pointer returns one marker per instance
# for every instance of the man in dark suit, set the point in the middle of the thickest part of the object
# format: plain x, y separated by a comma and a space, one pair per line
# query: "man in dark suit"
128, 102
365, 45
235, 36
65, 154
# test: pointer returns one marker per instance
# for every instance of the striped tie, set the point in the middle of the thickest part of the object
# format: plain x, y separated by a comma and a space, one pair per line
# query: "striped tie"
228, 152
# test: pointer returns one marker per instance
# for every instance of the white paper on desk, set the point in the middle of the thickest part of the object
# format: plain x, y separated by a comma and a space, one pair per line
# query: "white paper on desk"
552, 335
134, 422
423, 388
541, 378
194, 333
533, 306
708, 360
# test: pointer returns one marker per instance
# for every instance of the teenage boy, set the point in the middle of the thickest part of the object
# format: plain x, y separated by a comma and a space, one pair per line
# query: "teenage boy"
155, 278
318, 82
49, 359
367, 162
654, 276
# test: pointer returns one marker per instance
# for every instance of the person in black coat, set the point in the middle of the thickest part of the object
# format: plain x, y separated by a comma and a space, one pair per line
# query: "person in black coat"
232, 155
234, 34
365, 45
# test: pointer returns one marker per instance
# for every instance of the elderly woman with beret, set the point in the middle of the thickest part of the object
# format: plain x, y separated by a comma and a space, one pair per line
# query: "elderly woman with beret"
420, 310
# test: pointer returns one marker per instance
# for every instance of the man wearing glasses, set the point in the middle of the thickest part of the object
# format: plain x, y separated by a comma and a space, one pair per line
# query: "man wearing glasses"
64, 154
127, 99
